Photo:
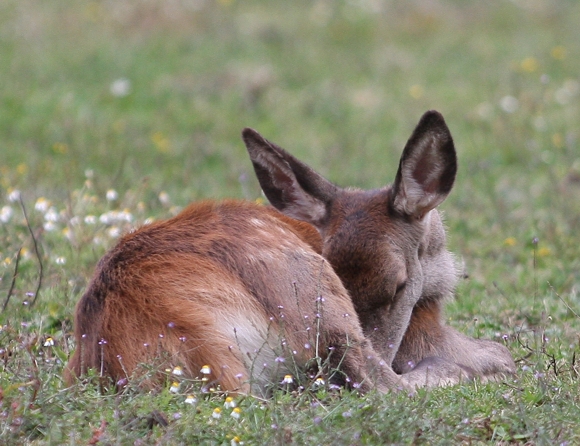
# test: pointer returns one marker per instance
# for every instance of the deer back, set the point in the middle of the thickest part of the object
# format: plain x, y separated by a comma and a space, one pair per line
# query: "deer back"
234, 285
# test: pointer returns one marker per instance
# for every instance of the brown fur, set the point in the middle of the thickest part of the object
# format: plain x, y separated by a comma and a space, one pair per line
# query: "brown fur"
359, 281
238, 283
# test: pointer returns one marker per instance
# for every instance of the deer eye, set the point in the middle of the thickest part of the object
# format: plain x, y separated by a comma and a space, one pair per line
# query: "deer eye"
421, 250
400, 287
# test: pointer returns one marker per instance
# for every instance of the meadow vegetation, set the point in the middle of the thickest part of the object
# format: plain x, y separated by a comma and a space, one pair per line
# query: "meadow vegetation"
116, 113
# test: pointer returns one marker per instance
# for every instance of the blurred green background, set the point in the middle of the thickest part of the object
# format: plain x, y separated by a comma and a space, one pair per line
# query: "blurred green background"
149, 97
116, 112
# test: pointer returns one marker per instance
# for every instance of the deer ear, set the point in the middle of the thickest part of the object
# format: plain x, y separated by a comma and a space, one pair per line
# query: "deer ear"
427, 168
290, 185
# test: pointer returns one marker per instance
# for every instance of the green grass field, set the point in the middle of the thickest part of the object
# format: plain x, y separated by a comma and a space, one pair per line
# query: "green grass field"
116, 112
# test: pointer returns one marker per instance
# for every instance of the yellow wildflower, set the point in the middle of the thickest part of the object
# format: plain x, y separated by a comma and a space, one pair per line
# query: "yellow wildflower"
558, 140
558, 52
416, 91
529, 64
60, 148
510, 241
161, 142
544, 252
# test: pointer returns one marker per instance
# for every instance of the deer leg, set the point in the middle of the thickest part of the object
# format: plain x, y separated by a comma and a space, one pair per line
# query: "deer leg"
427, 336
353, 362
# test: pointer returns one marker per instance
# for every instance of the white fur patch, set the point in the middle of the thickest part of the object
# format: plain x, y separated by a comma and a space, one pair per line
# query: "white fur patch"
257, 339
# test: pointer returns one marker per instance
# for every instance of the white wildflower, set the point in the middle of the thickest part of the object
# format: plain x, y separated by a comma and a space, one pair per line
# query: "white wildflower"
112, 195
164, 197
287, 379
106, 218
51, 215
125, 215
42, 204
509, 104
49, 226
120, 87
14, 196
318, 382
114, 232
6, 214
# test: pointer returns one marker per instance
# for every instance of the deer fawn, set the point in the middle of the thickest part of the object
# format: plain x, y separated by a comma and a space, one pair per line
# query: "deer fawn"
346, 281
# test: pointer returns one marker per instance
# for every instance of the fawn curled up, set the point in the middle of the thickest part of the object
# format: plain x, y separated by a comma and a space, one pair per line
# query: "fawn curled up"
353, 280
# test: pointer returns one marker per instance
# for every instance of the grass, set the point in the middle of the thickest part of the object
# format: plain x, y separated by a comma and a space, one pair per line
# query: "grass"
113, 113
